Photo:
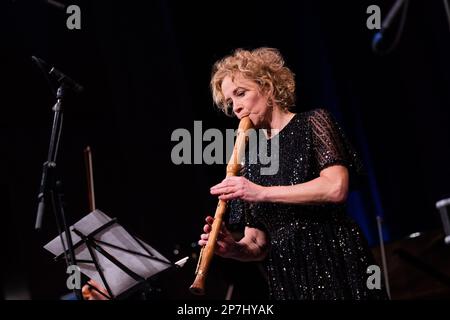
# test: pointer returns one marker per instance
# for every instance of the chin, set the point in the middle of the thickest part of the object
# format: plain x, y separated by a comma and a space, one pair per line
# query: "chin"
256, 121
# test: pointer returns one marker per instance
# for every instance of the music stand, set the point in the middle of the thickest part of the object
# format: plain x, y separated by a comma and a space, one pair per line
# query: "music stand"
108, 254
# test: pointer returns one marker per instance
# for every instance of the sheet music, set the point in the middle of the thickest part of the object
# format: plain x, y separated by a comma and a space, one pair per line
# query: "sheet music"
118, 280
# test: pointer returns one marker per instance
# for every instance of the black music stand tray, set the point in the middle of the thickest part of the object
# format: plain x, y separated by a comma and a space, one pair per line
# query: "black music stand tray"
108, 254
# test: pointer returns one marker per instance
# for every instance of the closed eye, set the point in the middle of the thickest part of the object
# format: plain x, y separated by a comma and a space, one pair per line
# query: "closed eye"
238, 92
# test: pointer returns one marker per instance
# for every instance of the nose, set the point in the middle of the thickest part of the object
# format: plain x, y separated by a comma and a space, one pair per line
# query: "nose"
237, 110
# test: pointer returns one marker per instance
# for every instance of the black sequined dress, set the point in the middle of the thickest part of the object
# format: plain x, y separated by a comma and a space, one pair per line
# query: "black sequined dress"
316, 251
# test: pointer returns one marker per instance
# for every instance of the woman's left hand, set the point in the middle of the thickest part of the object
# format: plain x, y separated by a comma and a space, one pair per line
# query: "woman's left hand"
238, 188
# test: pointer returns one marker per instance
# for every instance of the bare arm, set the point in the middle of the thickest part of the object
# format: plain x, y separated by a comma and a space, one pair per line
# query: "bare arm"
331, 186
252, 247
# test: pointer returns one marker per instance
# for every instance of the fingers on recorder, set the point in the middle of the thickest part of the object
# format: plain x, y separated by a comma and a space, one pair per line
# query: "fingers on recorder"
207, 229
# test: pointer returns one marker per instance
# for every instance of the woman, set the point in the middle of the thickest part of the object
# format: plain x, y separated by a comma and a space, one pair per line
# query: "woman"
295, 219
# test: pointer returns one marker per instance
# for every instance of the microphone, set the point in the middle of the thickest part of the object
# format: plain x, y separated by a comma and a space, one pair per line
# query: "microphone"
60, 76
378, 37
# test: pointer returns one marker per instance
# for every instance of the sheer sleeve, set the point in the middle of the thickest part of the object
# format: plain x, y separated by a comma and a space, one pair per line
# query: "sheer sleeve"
330, 145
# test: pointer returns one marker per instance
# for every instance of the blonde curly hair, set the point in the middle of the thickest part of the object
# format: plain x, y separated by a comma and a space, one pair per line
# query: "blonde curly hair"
264, 66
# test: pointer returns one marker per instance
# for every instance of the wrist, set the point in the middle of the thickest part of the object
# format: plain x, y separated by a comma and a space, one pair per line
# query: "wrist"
264, 194
235, 251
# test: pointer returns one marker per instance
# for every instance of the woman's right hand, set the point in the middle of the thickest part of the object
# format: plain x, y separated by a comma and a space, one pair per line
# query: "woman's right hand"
226, 245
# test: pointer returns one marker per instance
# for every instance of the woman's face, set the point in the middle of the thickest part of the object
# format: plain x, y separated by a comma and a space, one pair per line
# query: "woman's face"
246, 99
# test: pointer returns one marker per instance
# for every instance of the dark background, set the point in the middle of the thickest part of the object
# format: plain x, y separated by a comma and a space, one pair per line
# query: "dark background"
146, 70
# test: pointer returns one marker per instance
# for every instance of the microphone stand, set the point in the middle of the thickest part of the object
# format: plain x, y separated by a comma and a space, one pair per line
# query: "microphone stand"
51, 186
